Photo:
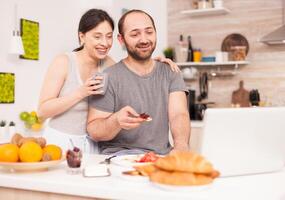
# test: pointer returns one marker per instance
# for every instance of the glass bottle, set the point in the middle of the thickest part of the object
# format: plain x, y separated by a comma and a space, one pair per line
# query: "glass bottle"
181, 50
190, 50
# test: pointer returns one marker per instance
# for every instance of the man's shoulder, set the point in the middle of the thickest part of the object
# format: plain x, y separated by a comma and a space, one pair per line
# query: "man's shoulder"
162, 65
165, 70
114, 68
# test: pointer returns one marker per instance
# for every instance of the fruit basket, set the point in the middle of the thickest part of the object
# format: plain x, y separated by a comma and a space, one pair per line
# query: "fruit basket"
29, 154
33, 124
30, 166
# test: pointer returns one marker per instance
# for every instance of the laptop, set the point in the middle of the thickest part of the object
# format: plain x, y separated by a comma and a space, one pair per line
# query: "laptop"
243, 141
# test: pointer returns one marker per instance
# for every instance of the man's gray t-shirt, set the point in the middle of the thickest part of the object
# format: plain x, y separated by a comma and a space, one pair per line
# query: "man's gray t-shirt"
145, 94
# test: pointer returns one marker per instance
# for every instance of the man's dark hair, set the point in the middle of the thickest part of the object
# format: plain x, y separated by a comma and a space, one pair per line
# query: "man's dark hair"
91, 19
122, 19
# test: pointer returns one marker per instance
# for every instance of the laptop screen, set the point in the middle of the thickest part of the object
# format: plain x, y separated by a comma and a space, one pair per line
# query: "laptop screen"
240, 141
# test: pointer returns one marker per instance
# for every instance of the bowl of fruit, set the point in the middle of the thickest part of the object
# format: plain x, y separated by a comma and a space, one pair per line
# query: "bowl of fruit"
33, 124
29, 154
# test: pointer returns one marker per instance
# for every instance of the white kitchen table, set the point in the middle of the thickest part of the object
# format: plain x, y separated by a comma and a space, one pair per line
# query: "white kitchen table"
57, 184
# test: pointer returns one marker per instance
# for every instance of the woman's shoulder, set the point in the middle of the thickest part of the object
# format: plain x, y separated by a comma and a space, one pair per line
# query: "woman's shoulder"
62, 58
108, 61
60, 63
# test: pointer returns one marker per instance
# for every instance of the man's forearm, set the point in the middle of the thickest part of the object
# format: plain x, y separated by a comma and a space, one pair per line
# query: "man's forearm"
180, 128
104, 129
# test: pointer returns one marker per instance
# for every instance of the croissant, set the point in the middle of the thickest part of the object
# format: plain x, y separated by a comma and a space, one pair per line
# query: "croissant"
213, 174
146, 170
185, 162
179, 178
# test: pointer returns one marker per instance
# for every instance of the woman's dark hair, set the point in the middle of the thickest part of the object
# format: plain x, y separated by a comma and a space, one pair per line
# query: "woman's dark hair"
91, 19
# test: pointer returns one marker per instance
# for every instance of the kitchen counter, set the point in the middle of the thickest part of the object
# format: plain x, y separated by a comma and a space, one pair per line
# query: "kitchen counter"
57, 181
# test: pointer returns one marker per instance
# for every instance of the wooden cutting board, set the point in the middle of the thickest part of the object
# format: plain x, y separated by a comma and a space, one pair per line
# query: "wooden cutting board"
240, 97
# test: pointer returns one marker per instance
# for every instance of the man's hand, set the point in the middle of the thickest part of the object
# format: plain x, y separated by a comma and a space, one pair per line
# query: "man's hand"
128, 118
180, 148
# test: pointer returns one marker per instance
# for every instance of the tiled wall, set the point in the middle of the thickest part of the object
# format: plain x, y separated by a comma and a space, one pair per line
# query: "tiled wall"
251, 18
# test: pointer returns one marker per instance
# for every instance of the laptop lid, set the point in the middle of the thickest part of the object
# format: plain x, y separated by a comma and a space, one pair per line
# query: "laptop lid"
241, 141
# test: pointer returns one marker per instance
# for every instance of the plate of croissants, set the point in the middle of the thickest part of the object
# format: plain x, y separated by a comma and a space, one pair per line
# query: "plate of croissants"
182, 170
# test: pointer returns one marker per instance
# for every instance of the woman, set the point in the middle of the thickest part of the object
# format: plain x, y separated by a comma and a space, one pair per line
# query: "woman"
69, 81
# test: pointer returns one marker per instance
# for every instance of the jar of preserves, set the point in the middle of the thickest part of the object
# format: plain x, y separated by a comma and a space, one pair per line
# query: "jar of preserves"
238, 53
204, 4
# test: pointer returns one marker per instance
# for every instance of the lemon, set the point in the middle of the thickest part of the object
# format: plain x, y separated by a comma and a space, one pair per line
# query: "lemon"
36, 127
34, 113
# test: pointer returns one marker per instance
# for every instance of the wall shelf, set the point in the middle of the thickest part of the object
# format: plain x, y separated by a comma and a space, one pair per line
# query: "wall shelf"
205, 12
197, 64
232, 65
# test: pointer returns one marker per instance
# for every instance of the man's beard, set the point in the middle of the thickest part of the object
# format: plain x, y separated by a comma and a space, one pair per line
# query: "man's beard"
137, 55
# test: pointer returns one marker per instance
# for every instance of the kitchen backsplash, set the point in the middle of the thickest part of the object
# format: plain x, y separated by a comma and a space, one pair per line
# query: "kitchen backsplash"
253, 19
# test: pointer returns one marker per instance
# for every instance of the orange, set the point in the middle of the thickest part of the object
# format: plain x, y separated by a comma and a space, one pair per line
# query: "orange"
54, 151
30, 152
9, 153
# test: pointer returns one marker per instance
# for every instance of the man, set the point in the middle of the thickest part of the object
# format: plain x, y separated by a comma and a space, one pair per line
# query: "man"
138, 84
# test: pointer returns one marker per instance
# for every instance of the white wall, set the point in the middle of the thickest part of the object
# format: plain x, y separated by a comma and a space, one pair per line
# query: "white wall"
156, 8
58, 33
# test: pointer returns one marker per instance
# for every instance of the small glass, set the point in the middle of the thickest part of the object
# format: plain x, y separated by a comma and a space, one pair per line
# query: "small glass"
197, 54
74, 158
104, 81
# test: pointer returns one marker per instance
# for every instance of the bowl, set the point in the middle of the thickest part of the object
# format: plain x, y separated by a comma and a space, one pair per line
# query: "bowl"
189, 73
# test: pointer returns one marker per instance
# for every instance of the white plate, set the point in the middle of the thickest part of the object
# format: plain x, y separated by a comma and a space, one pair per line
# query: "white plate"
134, 178
182, 188
128, 160
30, 166
118, 172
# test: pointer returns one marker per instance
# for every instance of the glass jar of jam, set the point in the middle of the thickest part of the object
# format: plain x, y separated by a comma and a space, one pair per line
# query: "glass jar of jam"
73, 158
238, 53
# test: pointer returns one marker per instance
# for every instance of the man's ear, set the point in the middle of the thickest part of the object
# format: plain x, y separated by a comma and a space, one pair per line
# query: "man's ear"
121, 39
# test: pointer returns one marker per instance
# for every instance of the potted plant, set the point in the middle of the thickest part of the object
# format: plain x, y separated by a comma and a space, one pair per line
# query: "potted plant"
169, 53
2, 128
12, 129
